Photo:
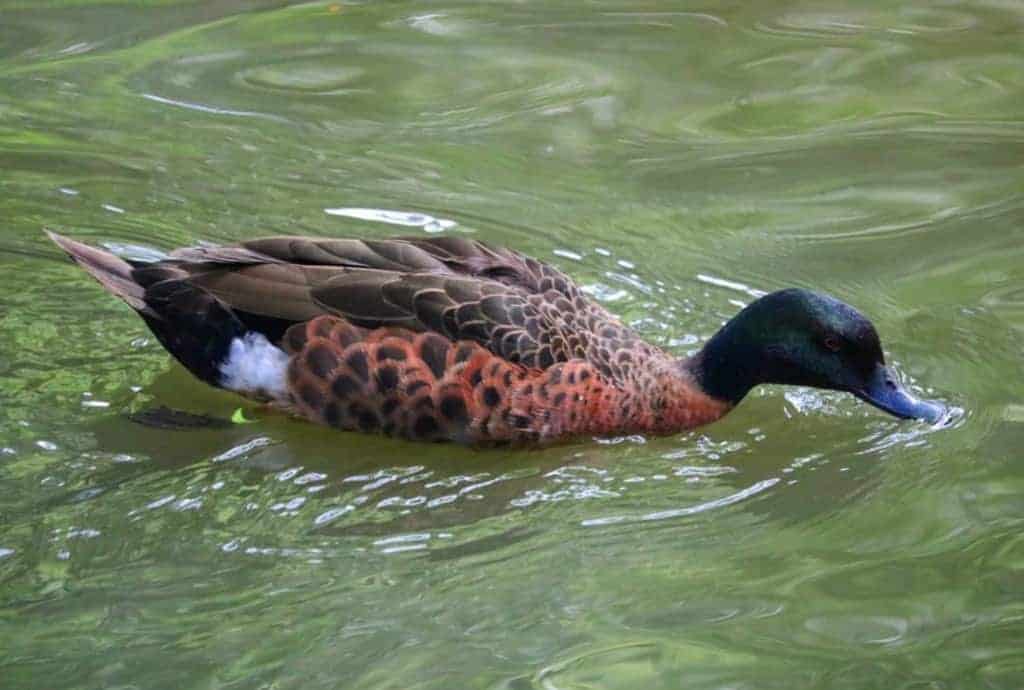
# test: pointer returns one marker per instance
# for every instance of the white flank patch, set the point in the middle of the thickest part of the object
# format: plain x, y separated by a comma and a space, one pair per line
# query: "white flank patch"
254, 365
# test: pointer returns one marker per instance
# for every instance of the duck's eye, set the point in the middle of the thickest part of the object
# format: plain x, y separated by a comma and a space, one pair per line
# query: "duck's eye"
832, 343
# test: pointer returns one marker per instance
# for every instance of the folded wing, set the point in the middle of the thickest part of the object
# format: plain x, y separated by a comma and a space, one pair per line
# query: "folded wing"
521, 309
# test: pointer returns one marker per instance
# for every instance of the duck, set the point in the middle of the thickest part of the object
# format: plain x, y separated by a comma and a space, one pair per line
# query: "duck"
448, 338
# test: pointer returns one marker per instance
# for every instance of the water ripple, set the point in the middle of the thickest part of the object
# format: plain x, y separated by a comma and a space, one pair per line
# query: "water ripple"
743, 494
209, 108
677, 163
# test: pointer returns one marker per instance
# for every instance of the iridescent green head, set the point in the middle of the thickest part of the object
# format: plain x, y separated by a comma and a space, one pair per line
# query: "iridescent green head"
804, 338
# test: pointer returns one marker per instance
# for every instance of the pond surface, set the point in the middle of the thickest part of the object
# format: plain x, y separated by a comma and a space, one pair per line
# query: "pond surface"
676, 158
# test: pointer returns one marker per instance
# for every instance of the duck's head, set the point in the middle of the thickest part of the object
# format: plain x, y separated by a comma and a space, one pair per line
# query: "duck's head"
804, 338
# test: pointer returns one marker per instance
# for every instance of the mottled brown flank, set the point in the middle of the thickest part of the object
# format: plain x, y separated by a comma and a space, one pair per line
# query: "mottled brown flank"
427, 388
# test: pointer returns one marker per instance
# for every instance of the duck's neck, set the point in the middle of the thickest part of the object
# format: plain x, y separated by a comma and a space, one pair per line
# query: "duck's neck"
660, 398
728, 366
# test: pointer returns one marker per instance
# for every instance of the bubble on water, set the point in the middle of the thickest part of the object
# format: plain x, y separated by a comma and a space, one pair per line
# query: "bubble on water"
567, 254
332, 514
403, 542
242, 449
288, 507
95, 403
188, 504
309, 477
78, 48
160, 502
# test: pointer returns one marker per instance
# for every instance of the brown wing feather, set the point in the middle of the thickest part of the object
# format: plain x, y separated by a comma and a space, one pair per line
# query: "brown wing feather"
388, 255
277, 290
435, 255
519, 308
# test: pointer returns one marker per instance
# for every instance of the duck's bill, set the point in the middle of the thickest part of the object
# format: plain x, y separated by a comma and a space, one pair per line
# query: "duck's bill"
884, 391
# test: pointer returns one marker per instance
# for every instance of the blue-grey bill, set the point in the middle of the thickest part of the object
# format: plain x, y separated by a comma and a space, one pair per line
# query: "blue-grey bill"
885, 392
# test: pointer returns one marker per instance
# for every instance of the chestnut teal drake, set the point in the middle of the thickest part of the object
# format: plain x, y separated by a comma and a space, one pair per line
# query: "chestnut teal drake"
451, 339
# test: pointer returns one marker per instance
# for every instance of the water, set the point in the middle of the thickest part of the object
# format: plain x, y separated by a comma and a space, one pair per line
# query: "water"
676, 159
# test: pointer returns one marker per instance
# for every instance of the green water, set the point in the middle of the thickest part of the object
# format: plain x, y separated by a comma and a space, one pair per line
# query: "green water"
674, 157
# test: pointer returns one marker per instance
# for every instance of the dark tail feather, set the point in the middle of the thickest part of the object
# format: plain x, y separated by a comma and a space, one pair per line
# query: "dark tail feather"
189, 322
192, 325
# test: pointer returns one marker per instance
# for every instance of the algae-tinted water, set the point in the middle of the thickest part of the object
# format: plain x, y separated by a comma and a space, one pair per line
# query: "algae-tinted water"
676, 158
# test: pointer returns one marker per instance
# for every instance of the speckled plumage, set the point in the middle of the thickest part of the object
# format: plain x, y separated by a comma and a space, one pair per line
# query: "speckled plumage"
425, 386
427, 338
